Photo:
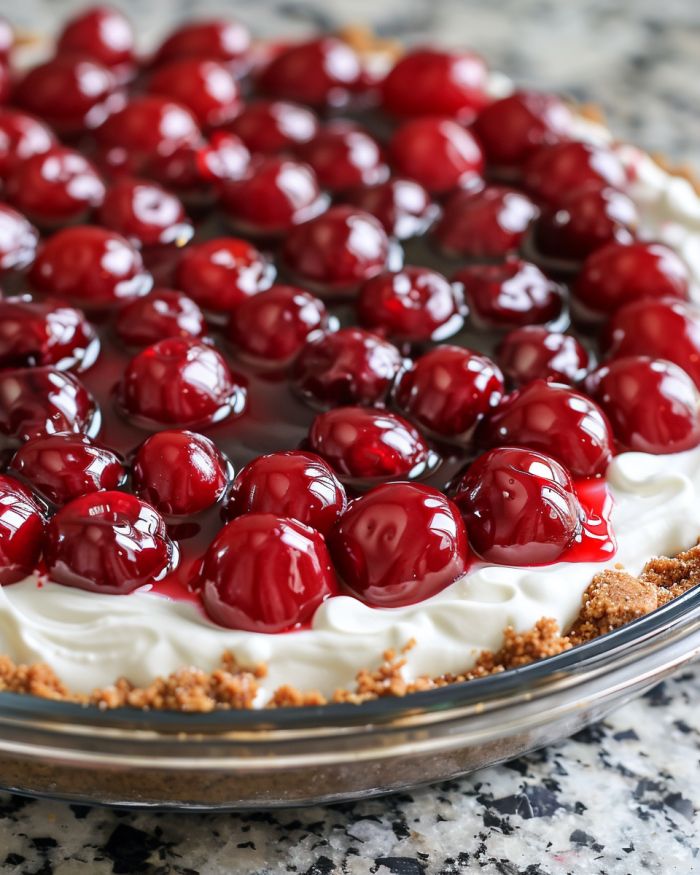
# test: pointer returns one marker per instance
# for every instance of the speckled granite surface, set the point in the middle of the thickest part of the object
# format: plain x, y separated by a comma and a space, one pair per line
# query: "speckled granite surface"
619, 799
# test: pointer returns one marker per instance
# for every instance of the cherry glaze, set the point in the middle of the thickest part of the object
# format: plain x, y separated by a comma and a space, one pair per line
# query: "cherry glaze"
21, 531
534, 353
403, 206
206, 87
161, 314
553, 171
271, 126
21, 136
18, 240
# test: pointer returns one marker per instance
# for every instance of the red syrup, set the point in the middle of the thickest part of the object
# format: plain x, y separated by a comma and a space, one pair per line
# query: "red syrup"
597, 540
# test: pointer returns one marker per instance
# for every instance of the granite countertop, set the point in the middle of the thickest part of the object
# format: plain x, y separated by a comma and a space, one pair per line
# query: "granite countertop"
621, 797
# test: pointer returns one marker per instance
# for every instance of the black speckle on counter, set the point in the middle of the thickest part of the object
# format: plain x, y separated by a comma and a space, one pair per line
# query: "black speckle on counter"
400, 865
129, 848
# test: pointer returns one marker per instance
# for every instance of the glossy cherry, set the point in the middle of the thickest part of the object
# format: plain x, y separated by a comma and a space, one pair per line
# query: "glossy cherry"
266, 573
343, 155
108, 542
509, 294
403, 206
21, 136
519, 507
617, 274
551, 172
64, 466
179, 472
553, 419
90, 266
399, 544
292, 484
206, 87
55, 187
448, 390
350, 366
180, 382
413, 304
104, 34
220, 39
653, 405
271, 126
18, 240
21, 531
274, 325
364, 443
145, 213
161, 314
432, 81
218, 274
437, 152
509, 129
336, 251
487, 223
534, 353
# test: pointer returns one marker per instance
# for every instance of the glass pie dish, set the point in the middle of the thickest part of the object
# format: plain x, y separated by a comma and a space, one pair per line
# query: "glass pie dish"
331, 753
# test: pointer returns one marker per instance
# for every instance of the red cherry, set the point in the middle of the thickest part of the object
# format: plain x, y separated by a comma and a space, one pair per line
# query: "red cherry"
45, 333
41, 401
145, 213
344, 155
179, 472
272, 196
511, 128
350, 366
413, 304
103, 33
534, 353
271, 126
5, 80
519, 507
161, 314
490, 223
180, 382
90, 266
217, 39
431, 81
449, 389
403, 206
220, 273
108, 542
62, 467
18, 240
617, 274
364, 443
55, 187
21, 531
556, 420
551, 172
273, 326
207, 88
292, 484
667, 329
585, 220
437, 152
399, 544
321, 72
337, 250
21, 136
509, 294
71, 92
653, 405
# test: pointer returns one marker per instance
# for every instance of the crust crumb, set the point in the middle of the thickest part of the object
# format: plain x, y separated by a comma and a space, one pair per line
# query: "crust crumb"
685, 171
612, 599
367, 43
592, 112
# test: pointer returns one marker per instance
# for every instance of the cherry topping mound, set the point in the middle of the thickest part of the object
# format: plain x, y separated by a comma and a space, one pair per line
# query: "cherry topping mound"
336, 251
343, 155
43, 400
553, 419
363, 443
449, 389
18, 240
206, 87
274, 325
413, 304
437, 152
45, 333
266, 573
432, 81
180, 382
509, 294
653, 405
220, 39
490, 223
104, 34
90, 266
108, 542
552, 172
534, 353
618, 274
346, 367
145, 213
21, 531
271, 126
218, 274
403, 206
64, 466
519, 507
21, 136
159, 315
292, 484
179, 472
399, 544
